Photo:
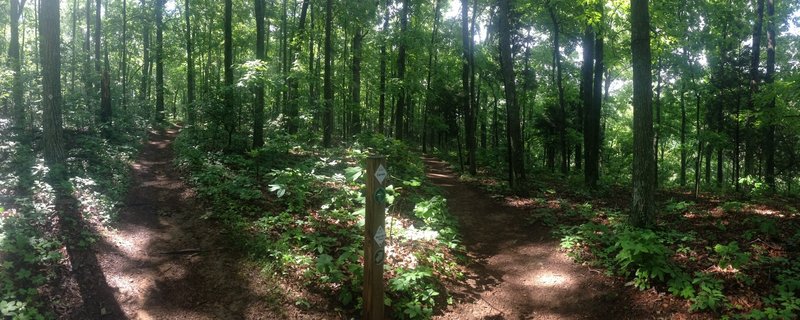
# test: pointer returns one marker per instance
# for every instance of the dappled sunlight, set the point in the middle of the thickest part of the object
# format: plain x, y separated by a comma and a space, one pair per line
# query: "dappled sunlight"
548, 279
518, 202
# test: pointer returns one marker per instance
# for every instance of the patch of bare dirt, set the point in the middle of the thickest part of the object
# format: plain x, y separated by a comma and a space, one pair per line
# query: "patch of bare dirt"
518, 272
163, 261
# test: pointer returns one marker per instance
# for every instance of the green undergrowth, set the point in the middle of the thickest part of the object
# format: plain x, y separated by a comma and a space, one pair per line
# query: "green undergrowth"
300, 207
700, 261
32, 254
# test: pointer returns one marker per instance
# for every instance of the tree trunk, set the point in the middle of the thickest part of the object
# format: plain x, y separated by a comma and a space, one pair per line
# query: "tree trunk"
598, 98
657, 131
587, 90
769, 137
105, 80
17, 94
258, 108
513, 134
562, 116
292, 107
400, 112
327, 117
190, 75
755, 79
160, 61
228, 69
466, 76
642, 214
50, 53
382, 103
431, 53
145, 83
88, 75
358, 36
683, 123
124, 63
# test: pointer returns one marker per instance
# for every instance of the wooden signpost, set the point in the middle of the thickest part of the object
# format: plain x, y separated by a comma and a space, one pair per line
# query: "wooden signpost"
374, 238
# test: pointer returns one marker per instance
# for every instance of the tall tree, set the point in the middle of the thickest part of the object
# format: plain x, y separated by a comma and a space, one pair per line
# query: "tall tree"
105, 80
592, 129
400, 110
145, 81
384, 39
123, 65
160, 61
15, 65
769, 137
228, 69
292, 96
516, 168
466, 77
50, 53
190, 76
562, 112
258, 108
642, 214
587, 85
327, 116
755, 79
428, 94
358, 37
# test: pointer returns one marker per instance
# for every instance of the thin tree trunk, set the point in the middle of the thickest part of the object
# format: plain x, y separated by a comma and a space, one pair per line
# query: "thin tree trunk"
382, 104
755, 79
228, 69
17, 94
562, 117
683, 124
124, 63
769, 137
327, 117
358, 36
587, 85
431, 53
400, 112
190, 75
145, 83
160, 61
466, 74
258, 108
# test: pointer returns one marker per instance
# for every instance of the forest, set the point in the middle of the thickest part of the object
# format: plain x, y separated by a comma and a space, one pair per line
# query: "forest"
546, 159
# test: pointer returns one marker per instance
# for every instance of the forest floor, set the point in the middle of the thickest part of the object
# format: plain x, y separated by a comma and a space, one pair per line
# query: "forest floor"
163, 261
518, 272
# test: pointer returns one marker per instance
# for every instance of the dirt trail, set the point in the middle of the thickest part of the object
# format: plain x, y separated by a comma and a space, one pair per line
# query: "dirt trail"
164, 262
518, 271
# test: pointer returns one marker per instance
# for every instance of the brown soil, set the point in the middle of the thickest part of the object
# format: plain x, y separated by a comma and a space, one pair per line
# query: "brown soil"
163, 261
518, 272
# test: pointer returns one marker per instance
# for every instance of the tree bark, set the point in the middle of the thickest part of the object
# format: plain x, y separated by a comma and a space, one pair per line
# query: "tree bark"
431, 53
769, 137
587, 90
50, 53
400, 112
382, 103
755, 79
105, 80
513, 134
258, 108
466, 77
190, 75
562, 116
228, 69
124, 63
642, 214
327, 117
15, 64
145, 82
358, 36
160, 61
